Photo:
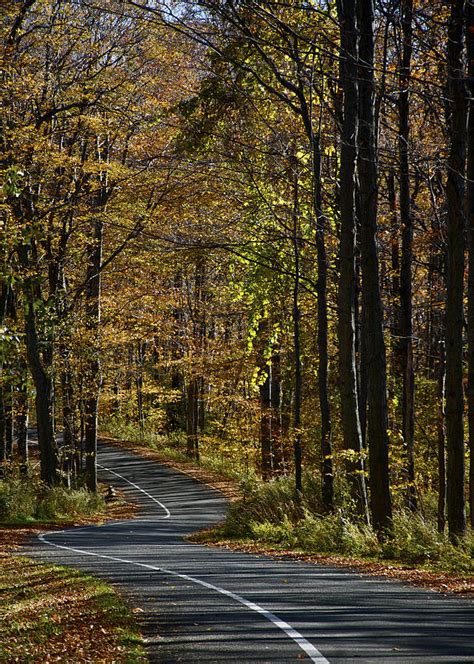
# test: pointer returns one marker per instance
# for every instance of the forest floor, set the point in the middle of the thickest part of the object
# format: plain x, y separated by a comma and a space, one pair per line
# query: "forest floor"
421, 576
51, 613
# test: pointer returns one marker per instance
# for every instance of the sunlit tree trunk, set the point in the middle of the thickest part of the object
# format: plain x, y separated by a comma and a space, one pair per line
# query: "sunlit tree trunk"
351, 428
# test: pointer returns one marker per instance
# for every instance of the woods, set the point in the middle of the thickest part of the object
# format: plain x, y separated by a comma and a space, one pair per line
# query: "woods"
243, 231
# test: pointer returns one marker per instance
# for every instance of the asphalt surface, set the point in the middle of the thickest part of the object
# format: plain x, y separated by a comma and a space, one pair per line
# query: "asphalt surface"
201, 604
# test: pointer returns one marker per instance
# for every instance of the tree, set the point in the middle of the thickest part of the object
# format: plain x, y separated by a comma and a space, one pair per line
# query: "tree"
377, 417
351, 425
456, 164
470, 235
406, 223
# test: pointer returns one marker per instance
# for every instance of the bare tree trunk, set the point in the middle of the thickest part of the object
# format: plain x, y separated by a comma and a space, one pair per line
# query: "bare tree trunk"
8, 414
192, 415
21, 425
455, 274
3, 308
322, 306
2, 424
44, 395
139, 386
470, 234
406, 313
297, 336
265, 393
322, 336
276, 398
199, 333
377, 415
352, 433
266, 424
70, 465
41, 374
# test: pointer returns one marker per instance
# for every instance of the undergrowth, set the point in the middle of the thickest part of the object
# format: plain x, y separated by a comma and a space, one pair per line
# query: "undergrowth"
173, 446
269, 514
28, 499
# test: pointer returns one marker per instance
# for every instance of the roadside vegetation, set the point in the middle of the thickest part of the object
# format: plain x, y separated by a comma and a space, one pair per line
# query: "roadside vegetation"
25, 499
29, 500
267, 516
50, 613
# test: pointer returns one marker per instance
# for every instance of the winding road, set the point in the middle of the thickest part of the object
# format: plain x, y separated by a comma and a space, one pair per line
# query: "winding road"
201, 604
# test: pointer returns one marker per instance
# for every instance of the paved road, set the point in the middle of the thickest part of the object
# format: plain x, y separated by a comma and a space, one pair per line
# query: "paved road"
209, 605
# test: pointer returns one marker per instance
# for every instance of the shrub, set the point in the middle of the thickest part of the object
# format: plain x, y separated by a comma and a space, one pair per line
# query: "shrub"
25, 499
18, 499
269, 513
273, 533
413, 539
59, 503
270, 502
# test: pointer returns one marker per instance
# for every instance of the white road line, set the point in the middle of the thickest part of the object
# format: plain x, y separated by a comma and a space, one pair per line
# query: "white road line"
148, 495
313, 653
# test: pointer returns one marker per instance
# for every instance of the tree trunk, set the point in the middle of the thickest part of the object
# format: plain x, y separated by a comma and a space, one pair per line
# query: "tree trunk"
3, 308
8, 414
44, 393
139, 387
266, 424
352, 433
91, 401
192, 415
71, 462
322, 336
441, 440
265, 393
297, 336
470, 234
2, 424
455, 274
406, 324
278, 457
377, 416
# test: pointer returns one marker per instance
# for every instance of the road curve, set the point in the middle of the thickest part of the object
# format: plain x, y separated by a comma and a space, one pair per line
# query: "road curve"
212, 605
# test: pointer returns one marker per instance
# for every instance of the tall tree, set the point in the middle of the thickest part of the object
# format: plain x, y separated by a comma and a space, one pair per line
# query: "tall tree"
470, 235
455, 188
351, 426
377, 415
406, 222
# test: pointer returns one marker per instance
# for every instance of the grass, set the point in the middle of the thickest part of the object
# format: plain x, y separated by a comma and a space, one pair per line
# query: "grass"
268, 514
173, 447
28, 501
50, 613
